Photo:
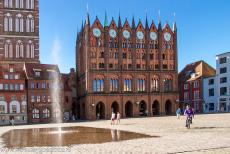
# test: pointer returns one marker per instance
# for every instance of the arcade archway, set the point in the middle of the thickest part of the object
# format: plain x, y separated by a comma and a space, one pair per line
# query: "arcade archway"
128, 109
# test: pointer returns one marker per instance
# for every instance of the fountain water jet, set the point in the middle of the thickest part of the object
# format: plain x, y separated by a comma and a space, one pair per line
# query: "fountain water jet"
56, 83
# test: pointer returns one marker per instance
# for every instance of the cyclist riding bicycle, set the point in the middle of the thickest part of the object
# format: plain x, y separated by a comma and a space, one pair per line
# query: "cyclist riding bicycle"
189, 114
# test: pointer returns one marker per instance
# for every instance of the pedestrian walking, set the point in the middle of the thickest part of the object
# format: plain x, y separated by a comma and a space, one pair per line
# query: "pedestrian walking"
178, 113
118, 117
12, 121
113, 118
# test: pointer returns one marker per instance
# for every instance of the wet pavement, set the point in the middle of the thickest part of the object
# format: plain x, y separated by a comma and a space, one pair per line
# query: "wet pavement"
64, 136
209, 134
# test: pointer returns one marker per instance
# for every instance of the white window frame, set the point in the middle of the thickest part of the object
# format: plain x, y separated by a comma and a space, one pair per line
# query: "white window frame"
36, 113
17, 104
5, 106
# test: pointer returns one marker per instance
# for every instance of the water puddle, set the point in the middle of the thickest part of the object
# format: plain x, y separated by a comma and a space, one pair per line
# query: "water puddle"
65, 136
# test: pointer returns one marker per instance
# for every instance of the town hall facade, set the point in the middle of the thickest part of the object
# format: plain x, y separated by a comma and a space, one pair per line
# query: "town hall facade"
126, 68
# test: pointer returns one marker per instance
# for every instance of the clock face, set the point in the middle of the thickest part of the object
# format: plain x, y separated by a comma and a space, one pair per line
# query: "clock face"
153, 36
126, 34
140, 35
112, 33
96, 32
167, 36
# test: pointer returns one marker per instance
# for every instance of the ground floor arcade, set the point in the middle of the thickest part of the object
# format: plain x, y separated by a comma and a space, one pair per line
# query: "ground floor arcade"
101, 106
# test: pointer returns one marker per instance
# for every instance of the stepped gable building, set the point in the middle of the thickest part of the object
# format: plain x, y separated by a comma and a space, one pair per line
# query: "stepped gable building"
40, 81
126, 68
191, 84
19, 31
13, 102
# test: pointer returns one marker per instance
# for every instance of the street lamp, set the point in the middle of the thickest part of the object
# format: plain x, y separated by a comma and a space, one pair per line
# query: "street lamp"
92, 106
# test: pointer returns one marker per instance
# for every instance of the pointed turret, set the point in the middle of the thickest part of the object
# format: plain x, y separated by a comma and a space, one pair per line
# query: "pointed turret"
87, 19
82, 25
133, 23
106, 23
146, 23
119, 21
174, 23
159, 21
174, 27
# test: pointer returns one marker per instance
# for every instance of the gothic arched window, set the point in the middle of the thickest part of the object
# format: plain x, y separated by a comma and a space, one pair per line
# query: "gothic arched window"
29, 4
8, 25
30, 23
8, 49
19, 23
30, 50
19, 49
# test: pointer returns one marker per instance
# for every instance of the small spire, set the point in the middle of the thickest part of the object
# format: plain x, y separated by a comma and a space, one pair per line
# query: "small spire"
77, 32
133, 23
119, 21
87, 19
87, 15
146, 22
106, 23
174, 23
81, 25
159, 20
159, 16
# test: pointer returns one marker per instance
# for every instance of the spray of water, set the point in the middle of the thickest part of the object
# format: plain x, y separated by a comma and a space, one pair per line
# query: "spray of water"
56, 89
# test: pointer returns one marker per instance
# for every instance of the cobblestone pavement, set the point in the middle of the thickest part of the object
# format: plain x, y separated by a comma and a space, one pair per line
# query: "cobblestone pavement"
208, 134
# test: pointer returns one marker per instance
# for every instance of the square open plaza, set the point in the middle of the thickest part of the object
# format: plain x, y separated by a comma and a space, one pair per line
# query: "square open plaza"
209, 134
125, 93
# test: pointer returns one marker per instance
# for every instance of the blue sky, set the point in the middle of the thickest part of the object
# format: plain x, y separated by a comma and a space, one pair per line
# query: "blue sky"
203, 25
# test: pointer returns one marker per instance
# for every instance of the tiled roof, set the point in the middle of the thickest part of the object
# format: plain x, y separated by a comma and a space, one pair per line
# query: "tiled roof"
44, 70
5, 68
196, 70
188, 70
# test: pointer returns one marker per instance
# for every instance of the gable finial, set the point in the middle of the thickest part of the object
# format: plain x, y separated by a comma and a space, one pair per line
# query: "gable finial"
106, 24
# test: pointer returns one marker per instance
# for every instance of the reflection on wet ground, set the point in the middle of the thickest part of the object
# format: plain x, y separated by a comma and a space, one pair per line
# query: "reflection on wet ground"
64, 136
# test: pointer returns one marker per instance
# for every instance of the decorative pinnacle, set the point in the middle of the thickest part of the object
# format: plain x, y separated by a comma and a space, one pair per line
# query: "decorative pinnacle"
106, 23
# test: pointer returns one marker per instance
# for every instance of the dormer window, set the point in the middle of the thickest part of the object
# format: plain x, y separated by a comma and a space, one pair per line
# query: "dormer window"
193, 75
37, 74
